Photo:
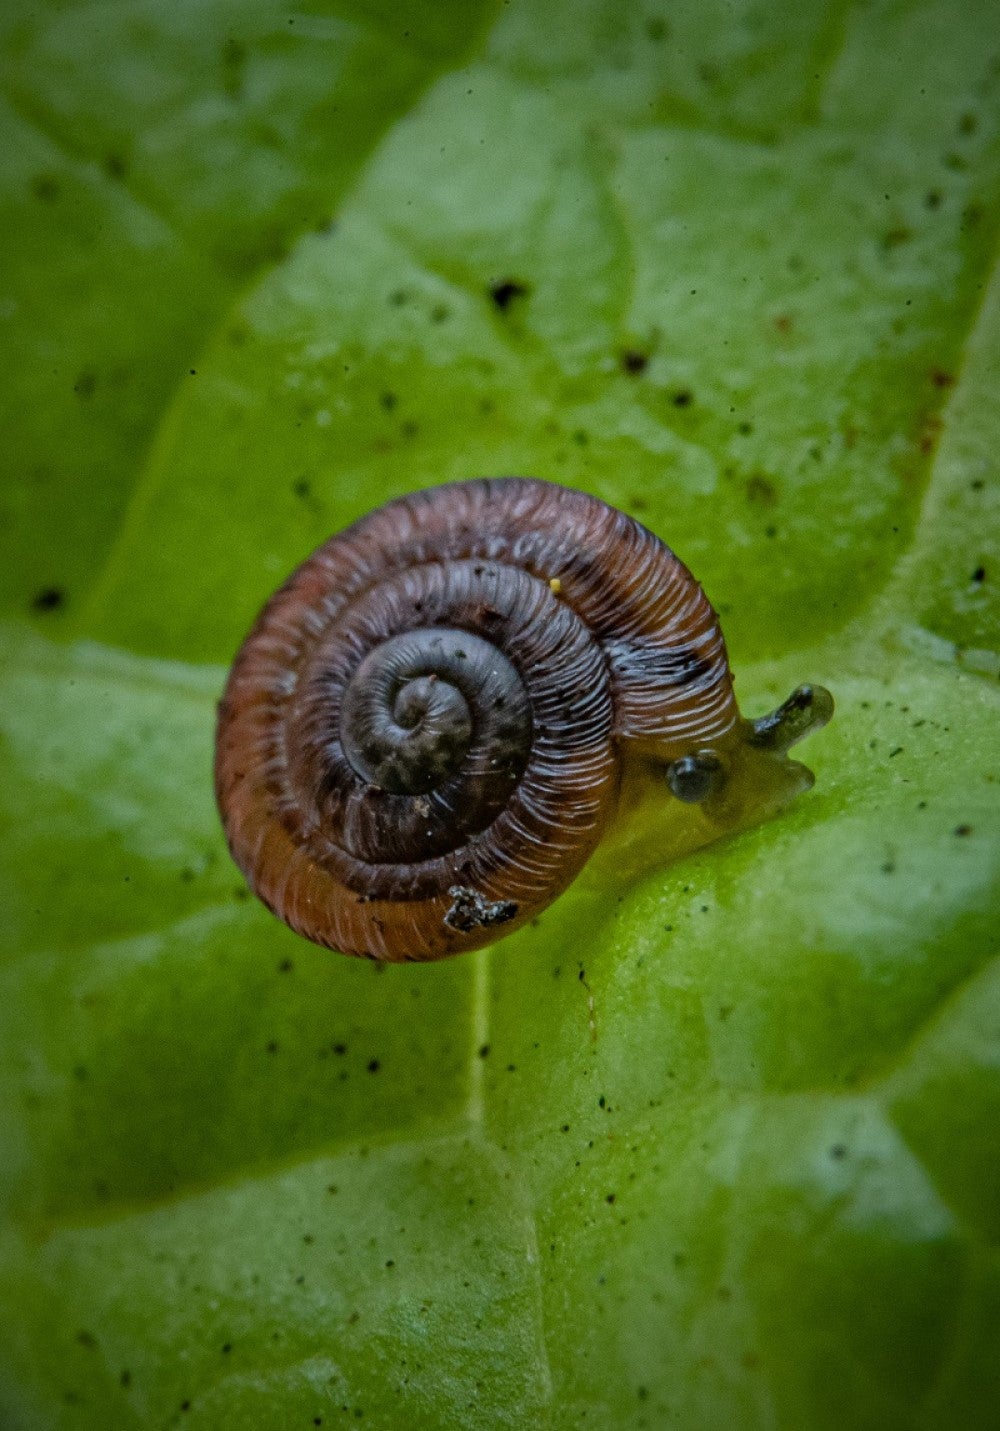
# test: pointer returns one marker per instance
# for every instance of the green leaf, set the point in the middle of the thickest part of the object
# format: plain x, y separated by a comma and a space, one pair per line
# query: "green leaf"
713, 1143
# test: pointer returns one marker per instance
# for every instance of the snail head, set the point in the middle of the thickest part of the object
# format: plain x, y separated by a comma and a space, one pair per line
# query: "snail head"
749, 773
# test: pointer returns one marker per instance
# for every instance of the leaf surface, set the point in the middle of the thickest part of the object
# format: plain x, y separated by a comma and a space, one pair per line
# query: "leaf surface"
711, 1145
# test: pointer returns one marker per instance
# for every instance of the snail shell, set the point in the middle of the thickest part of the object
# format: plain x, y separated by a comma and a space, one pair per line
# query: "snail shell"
423, 737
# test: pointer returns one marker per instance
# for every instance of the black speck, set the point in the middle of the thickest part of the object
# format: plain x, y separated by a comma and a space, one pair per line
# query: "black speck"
484, 1050
634, 361
979, 575
115, 166
50, 598
962, 830
373, 1065
683, 398
506, 290
388, 400
85, 385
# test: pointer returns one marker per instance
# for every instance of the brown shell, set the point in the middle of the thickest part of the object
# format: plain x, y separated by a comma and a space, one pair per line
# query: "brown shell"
608, 644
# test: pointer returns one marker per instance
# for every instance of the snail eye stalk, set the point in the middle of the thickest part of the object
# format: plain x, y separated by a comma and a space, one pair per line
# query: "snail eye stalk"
808, 708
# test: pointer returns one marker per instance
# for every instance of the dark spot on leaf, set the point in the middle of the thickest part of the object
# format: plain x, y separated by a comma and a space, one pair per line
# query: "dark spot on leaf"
85, 385
46, 187
963, 830
506, 290
684, 397
979, 575
898, 234
50, 598
761, 490
634, 361
234, 55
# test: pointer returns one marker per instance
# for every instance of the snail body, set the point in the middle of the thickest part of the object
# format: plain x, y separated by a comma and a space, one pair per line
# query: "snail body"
424, 736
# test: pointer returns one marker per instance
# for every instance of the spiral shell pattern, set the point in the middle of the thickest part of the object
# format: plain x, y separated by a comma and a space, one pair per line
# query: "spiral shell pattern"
420, 741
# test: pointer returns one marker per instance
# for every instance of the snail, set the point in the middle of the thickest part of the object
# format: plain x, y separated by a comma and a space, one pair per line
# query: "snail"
428, 730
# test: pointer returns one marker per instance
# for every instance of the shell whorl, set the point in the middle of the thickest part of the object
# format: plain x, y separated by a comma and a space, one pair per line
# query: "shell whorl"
420, 740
